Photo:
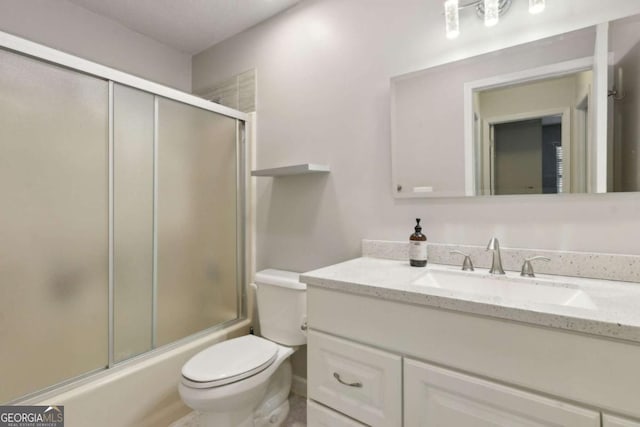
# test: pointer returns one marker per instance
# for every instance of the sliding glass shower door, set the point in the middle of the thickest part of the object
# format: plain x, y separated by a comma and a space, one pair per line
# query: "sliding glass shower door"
133, 147
120, 226
197, 282
53, 224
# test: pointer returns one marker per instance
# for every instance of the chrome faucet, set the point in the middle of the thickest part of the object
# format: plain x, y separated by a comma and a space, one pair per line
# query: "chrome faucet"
467, 265
527, 268
496, 264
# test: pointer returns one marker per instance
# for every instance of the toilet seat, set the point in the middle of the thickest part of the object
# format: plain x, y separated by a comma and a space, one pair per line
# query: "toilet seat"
229, 361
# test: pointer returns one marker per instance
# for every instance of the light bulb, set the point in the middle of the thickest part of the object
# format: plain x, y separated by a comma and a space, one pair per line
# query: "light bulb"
452, 18
491, 12
536, 6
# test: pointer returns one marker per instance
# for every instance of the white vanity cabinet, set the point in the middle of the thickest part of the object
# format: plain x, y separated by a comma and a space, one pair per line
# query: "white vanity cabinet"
389, 363
613, 421
434, 396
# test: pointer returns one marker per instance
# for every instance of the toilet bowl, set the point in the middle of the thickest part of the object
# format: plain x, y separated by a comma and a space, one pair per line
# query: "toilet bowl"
245, 381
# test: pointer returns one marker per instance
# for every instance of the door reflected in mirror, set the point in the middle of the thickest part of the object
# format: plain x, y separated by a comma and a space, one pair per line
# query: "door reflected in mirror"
531, 138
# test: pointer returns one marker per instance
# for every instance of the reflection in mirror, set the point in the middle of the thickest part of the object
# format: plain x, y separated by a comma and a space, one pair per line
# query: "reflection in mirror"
624, 103
532, 138
557, 115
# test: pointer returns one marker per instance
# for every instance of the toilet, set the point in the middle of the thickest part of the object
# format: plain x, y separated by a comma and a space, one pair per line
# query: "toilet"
245, 381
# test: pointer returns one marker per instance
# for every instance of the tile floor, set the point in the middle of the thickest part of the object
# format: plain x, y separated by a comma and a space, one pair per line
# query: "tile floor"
297, 412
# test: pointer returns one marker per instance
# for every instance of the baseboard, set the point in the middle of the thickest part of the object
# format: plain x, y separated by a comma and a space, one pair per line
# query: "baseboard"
299, 386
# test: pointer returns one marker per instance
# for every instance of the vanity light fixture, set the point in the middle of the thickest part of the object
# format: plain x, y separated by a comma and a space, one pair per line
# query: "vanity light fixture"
491, 12
488, 10
536, 6
452, 18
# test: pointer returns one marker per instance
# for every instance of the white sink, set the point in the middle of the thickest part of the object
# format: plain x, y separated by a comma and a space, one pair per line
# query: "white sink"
507, 288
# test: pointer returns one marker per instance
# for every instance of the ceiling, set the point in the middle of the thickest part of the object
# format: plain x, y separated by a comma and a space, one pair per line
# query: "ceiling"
187, 25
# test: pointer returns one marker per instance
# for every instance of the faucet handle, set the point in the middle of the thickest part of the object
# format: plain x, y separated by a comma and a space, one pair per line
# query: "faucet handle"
527, 268
467, 265
494, 244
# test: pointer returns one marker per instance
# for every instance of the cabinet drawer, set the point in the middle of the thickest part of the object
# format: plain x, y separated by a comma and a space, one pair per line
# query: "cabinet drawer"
319, 416
359, 381
435, 396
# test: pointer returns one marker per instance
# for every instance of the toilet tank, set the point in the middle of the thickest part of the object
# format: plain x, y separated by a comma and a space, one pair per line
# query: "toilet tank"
282, 306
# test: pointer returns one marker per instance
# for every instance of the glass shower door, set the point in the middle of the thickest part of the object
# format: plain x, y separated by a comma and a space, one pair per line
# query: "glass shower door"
119, 229
53, 224
133, 136
197, 238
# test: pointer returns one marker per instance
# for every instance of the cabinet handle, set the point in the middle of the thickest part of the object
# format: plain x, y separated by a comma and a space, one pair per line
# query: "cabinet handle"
337, 377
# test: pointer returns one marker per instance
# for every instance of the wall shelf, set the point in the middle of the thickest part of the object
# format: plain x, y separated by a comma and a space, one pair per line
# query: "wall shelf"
305, 168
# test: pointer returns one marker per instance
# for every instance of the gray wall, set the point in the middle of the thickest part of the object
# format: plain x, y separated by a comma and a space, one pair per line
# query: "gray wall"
73, 29
323, 96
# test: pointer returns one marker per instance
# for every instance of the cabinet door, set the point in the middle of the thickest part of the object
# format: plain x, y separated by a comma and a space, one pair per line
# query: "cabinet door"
359, 381
611, 421
320, 416
438, 397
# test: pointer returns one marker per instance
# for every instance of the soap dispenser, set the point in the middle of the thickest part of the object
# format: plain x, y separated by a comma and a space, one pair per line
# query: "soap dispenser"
418, 247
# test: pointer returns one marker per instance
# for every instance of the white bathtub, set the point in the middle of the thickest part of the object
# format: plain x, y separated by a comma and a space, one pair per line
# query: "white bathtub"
138, 393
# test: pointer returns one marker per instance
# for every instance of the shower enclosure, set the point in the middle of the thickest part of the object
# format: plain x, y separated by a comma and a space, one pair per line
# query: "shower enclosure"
121, 224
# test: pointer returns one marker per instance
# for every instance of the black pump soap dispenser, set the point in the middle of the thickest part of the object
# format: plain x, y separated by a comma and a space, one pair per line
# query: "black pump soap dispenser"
418, 247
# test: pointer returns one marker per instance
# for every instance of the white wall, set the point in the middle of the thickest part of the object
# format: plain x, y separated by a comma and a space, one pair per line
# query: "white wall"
323, 96
75, 30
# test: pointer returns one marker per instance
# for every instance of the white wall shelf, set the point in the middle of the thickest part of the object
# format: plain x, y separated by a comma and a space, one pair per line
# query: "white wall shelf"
305, 168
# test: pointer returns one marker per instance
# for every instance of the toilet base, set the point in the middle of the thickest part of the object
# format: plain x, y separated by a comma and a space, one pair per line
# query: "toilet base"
275, 418
271, 410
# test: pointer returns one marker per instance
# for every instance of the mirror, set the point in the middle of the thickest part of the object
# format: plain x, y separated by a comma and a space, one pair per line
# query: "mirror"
528, 119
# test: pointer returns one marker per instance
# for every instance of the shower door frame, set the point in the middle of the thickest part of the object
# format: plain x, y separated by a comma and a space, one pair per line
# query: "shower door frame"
40, 52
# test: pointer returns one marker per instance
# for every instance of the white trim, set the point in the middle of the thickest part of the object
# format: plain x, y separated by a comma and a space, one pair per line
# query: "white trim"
36, 50
111, 216
601, 101
299, 385
394, 143
558, 69
154, 228
539, 73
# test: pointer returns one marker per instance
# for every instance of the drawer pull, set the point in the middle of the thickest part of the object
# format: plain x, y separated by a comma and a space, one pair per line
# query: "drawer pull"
337, 377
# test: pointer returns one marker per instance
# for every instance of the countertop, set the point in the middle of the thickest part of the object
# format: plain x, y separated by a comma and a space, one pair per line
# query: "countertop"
616, 313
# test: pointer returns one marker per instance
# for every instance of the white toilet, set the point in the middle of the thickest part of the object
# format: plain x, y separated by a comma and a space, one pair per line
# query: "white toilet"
246, 381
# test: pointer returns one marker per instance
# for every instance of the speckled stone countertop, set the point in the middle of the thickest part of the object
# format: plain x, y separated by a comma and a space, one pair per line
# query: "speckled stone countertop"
612, 308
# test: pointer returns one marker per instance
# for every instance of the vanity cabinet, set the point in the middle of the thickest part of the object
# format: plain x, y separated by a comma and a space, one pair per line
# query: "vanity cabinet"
434, 396
388, 363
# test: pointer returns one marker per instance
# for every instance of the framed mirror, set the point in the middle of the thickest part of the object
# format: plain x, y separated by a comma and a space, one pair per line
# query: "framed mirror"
558, 115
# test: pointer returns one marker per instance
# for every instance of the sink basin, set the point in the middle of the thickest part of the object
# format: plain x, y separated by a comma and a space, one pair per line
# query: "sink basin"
507, 288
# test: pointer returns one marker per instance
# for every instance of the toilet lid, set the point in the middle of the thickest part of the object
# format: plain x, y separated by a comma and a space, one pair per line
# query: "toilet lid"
230, 361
